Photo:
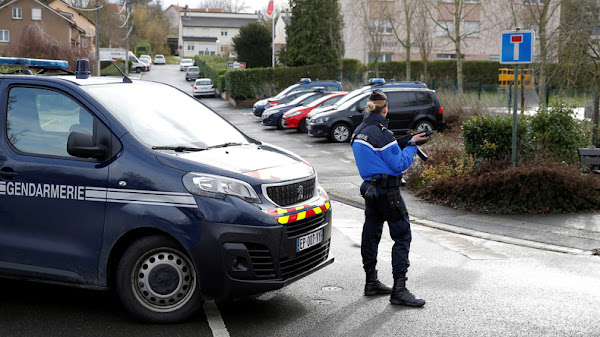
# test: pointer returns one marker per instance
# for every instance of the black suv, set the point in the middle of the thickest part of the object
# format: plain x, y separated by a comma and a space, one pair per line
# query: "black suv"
408, 109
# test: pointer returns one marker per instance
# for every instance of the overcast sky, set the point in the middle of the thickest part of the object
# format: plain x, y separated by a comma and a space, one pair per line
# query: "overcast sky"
253, 5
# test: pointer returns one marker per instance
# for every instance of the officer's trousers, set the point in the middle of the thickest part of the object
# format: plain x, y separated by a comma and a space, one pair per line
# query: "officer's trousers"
376, 213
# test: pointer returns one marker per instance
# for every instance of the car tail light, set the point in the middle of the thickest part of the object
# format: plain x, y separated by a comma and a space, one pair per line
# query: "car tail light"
272, 104
441, 110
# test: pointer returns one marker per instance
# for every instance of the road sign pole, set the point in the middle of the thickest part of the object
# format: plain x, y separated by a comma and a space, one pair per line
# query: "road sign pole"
514, 133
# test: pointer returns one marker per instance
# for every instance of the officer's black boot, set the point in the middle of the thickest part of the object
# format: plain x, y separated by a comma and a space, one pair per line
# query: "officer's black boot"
401, 295
374, 287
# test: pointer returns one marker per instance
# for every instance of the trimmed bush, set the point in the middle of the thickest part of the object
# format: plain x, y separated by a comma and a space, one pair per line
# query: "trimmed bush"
490, 137
537, 188
485, 72
558, 134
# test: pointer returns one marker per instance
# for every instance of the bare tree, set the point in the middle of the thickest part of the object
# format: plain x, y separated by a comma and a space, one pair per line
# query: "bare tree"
450, 17
400, 18
423, 36
230, 6
540, 17
578, 47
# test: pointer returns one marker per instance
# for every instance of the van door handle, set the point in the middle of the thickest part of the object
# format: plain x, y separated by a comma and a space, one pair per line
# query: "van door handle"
8, 174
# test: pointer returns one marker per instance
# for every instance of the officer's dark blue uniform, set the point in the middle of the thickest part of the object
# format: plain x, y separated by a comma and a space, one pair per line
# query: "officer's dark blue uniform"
381, 162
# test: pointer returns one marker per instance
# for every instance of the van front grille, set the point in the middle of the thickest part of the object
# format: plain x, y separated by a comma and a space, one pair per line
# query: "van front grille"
290, 194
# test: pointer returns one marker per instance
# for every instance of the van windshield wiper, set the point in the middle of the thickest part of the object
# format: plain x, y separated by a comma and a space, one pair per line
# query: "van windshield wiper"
224, 145
178, 148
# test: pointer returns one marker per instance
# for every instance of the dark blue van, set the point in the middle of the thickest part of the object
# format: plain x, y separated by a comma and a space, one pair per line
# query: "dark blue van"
161, 199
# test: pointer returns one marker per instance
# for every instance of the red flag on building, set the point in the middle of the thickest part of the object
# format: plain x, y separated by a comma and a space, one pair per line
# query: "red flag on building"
270, 8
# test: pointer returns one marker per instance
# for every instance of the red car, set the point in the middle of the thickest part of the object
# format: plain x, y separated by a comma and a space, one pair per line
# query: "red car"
296, 117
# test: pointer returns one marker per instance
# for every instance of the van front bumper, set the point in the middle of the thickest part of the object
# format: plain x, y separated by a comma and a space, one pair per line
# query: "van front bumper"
234, 260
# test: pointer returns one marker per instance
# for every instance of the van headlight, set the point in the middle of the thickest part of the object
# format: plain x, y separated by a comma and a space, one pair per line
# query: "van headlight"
214, 186
321, 120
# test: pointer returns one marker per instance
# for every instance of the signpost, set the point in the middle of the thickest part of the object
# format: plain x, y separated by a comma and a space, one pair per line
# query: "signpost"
517, 48
239, 65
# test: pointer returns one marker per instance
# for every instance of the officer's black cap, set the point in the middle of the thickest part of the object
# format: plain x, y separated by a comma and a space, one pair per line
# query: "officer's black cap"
377, 95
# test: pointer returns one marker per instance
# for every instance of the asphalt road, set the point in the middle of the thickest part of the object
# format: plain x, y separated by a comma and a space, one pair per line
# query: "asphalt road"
473, 287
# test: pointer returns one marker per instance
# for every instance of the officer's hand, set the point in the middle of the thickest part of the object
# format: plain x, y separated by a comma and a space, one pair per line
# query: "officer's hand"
419, 137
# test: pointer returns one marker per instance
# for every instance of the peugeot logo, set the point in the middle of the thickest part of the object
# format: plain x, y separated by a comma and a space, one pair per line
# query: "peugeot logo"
300, 191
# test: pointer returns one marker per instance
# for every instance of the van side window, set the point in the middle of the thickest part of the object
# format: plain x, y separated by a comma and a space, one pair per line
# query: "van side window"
423, 98
402, 99
39, 121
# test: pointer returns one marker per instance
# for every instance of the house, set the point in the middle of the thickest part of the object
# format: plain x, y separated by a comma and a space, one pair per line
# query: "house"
66, 9
15, 15
481, 26
173, 16
210, 33
280, 36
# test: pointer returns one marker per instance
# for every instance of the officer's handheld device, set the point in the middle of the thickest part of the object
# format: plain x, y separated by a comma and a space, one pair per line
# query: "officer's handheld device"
403, 142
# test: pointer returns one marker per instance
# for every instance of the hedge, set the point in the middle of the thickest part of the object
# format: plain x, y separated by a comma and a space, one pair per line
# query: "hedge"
252, 83
485, 72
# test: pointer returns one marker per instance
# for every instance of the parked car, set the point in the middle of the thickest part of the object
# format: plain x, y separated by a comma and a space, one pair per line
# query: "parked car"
370, 85
284, 100
192, 73
145, 58
159, 199
160, 59
185, 63
137, 65
408, 109
204, 87
295, 118
273, 116
304, 84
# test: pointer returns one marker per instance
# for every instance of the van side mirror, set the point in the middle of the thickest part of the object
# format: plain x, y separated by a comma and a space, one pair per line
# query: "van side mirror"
361, 108
81, 144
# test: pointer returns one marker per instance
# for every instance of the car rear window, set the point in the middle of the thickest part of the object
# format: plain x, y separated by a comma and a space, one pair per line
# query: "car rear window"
203, 82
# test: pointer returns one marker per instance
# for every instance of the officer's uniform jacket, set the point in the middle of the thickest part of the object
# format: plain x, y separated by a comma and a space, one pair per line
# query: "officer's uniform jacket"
376, 151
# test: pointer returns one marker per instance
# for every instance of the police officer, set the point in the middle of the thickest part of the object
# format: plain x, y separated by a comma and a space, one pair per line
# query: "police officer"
381, 162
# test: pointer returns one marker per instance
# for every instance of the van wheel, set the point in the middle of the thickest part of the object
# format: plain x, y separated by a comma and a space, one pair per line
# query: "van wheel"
340, 133
302, 126
138, 70
423, 125
157, 282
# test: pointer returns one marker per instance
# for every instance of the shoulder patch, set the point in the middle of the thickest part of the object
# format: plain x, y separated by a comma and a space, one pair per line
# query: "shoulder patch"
395, 150
362, 137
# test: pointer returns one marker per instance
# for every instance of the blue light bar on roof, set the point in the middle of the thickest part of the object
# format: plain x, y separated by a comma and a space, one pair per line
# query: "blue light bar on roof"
319, 89
305, 80
39, 63
374, 81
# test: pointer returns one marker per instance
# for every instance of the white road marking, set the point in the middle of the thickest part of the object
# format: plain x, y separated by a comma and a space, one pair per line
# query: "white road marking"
215, 321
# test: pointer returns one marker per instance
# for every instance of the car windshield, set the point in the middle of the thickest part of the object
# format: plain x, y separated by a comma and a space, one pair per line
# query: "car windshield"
349, 97
165, 117
345, 105
286, 91
302, 99
324, 99
186, 61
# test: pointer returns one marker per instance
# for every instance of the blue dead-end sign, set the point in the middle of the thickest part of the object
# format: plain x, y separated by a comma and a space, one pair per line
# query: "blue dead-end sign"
518, 47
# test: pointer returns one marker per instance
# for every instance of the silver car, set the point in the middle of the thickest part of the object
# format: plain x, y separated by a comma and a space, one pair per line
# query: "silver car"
185, 63
160, 59
204, 87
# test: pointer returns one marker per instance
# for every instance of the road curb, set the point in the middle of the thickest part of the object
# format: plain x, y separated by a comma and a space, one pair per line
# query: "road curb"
469, 232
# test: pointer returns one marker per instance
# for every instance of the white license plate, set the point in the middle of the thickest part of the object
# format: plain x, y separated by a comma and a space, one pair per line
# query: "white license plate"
309, 240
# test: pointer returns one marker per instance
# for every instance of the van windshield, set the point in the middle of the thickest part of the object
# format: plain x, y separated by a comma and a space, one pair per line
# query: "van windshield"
161, 116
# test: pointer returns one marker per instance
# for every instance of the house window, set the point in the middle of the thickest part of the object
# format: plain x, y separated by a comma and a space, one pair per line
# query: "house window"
383, 57
190, 47
472, 28
444, 28
17, 13
446, 56
84, 43
381, 26
36, 14
4, 35
223, 33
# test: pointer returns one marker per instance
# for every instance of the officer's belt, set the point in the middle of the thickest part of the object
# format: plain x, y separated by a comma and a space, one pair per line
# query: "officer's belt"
387, 181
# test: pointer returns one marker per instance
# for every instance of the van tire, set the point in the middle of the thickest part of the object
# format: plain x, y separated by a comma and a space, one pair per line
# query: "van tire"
138, 70
157, 282
423, 125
